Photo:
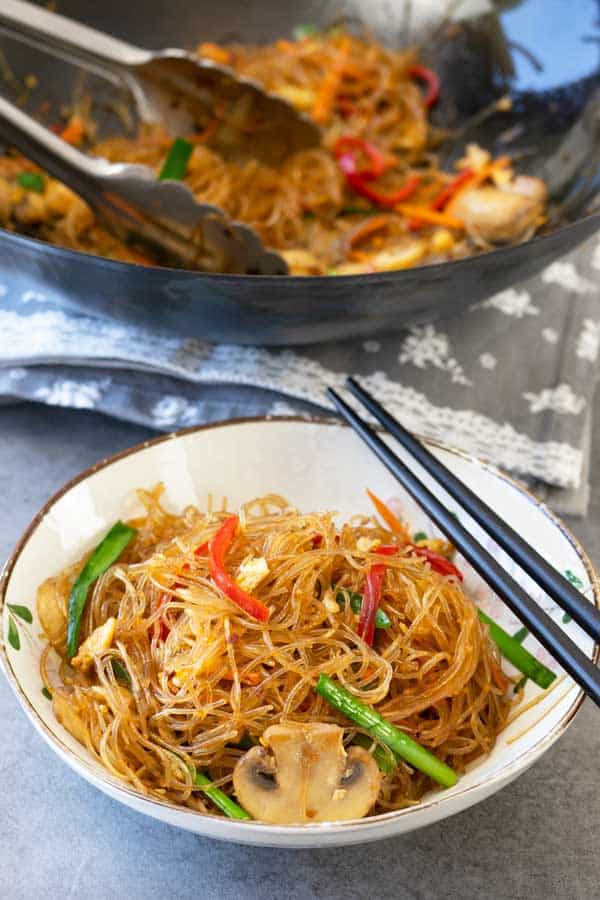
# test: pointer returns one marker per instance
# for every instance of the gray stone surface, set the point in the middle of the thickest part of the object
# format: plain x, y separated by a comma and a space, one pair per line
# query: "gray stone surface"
59, 837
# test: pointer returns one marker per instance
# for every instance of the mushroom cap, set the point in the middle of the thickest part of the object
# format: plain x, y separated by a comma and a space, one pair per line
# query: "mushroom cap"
302, 773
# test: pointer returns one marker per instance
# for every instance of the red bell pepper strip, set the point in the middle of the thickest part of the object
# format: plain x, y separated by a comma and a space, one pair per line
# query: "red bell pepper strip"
445, 195
387, 549
217, 550
344, 146
441, 200
438, 563
430, 79
370, 603
356, 181
161, 629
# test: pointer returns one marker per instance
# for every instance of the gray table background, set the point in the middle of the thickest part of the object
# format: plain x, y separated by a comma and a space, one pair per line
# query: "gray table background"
59, 837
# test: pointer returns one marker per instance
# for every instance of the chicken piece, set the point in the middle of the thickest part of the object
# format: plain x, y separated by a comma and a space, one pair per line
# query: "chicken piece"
502, 215
52, 606
99, 640
68, 711
30, 209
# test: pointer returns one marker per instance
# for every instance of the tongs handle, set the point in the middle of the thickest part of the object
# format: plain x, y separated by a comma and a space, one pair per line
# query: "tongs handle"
69, 39
50, 152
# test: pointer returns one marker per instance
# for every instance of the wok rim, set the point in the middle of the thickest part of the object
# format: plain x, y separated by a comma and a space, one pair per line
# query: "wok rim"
368, 278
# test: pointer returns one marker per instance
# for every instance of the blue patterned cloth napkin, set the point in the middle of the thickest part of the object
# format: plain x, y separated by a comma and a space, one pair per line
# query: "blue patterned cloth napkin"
512, 380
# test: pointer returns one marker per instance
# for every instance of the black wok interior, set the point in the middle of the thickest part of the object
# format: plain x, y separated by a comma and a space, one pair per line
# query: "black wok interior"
544, 55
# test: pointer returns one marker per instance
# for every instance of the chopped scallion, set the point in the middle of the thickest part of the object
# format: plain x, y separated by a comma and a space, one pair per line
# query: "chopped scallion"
31, 181
176, 163
106, 553
219, 798
373, 722
515, 653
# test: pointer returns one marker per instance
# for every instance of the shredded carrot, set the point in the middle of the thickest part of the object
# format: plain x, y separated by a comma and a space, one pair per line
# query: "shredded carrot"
391, 520
375, 223
412, 211
214, 52
74, 131
326, 97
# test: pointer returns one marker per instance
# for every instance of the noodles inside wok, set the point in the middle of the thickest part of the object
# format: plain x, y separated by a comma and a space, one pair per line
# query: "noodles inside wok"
186, 680
372, 197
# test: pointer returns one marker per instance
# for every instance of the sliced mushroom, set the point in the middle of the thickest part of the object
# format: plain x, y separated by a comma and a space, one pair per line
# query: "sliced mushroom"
307, 776
500, 215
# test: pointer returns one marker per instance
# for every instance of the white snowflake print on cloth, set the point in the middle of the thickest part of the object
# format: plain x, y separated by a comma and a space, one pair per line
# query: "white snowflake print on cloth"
488, 361
78, 395
33, 297
551, 335
171, 410
560, 399
588, 341
566, 276
426, 347
512, 303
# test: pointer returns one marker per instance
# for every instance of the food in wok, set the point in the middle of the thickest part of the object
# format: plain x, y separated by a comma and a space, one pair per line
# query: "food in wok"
276, 665
372, 197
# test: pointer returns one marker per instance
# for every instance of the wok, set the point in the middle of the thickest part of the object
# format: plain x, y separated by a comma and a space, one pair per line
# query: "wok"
545, 55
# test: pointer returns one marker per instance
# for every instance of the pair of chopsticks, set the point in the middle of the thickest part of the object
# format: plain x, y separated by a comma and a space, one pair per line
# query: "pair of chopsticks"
539, 623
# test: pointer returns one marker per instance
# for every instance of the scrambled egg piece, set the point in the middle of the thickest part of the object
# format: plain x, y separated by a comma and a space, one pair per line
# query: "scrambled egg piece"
252, 571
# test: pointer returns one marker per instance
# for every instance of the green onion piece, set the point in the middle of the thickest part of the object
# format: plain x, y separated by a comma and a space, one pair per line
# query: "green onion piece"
219, 798
515, 653
121, 672
304, 31
566, 618
46, 693
176, 163
106, 553
520, 635
520, 685
398, 742
382, 620
385, 761
419, 536
31, 181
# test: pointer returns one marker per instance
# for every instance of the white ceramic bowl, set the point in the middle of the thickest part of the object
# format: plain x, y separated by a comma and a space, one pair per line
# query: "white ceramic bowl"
316, 465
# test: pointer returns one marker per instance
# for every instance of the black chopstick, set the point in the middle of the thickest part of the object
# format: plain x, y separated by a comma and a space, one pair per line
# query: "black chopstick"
548, 633
556, 585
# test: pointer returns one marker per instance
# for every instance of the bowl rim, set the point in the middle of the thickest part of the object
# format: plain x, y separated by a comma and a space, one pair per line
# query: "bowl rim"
114, 785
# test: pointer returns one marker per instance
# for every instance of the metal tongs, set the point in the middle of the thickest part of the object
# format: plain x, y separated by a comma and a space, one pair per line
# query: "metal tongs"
179, 90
